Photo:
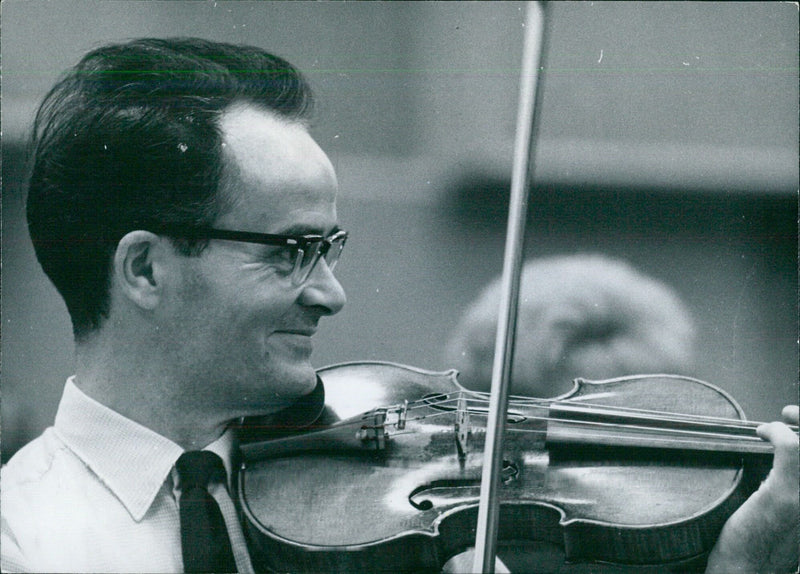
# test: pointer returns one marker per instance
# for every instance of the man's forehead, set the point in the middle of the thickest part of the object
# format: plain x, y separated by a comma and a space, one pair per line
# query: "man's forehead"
275, 173
242, 118
249, 131
256, 139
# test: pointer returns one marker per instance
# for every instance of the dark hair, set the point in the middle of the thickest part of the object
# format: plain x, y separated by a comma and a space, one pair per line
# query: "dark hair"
129, 139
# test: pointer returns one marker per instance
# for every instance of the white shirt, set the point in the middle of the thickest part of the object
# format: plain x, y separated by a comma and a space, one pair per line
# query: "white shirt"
95, 493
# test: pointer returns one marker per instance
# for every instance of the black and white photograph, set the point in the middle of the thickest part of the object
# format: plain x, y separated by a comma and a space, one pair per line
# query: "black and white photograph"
357, 287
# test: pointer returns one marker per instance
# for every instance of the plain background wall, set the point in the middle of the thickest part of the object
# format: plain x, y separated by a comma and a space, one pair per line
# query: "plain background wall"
669, 137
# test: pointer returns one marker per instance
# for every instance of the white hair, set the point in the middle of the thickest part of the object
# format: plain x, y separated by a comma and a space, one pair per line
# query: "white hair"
579, 316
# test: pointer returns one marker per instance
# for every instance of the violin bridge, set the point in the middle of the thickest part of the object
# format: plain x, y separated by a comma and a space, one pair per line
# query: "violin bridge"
462, 428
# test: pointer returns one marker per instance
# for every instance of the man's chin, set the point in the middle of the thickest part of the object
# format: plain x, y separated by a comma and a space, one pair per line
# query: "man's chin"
305, 379
285, 412
275, 390
293, 385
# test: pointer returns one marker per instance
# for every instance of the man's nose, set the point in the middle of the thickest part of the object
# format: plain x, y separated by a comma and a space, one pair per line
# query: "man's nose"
322, 289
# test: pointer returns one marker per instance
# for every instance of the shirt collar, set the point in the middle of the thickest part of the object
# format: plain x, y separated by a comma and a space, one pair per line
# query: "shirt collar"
130, 459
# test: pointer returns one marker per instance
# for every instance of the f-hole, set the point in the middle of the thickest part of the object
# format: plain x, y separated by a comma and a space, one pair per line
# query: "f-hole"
454, 491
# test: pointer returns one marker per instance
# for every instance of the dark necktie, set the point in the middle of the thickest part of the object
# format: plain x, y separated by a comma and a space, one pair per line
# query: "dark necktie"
204, 538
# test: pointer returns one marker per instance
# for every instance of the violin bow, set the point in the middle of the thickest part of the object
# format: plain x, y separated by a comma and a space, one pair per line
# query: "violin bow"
530, 95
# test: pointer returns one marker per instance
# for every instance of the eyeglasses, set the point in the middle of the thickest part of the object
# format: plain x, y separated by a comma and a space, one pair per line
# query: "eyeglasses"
305, 250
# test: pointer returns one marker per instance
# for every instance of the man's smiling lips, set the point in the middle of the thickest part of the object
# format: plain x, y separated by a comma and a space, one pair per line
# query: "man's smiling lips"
305, 332
297, 338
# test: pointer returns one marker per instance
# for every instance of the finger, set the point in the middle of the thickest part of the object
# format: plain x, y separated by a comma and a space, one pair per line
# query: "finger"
787, 454
791, 414
780, 435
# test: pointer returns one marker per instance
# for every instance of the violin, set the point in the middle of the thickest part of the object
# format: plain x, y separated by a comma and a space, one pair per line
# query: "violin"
383, 471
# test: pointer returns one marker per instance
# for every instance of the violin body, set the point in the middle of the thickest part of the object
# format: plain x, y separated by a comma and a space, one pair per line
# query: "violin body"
392, 483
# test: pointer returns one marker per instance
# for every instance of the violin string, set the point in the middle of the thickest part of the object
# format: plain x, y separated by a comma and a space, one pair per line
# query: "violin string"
668, 431
718, 431
592, 424
668, 435
664, 416
752, 438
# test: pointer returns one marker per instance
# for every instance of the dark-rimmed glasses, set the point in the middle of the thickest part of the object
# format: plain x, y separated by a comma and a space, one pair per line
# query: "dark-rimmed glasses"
307, 250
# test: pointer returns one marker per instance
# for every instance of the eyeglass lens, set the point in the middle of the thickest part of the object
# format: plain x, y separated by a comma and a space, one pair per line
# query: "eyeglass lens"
309, 257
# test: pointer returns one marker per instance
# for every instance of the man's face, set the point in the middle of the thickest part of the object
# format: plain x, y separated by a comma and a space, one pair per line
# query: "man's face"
247, 327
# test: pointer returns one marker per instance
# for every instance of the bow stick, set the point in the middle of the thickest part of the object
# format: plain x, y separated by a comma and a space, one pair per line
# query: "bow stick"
522, 170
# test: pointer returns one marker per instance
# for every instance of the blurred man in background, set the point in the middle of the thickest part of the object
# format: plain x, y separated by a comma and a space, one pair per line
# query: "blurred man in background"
583, 315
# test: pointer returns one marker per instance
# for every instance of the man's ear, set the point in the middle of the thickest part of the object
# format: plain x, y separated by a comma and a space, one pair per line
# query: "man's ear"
139, 267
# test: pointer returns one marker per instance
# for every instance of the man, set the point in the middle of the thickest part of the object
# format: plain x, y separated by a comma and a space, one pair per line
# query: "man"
189, 221
176, 334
